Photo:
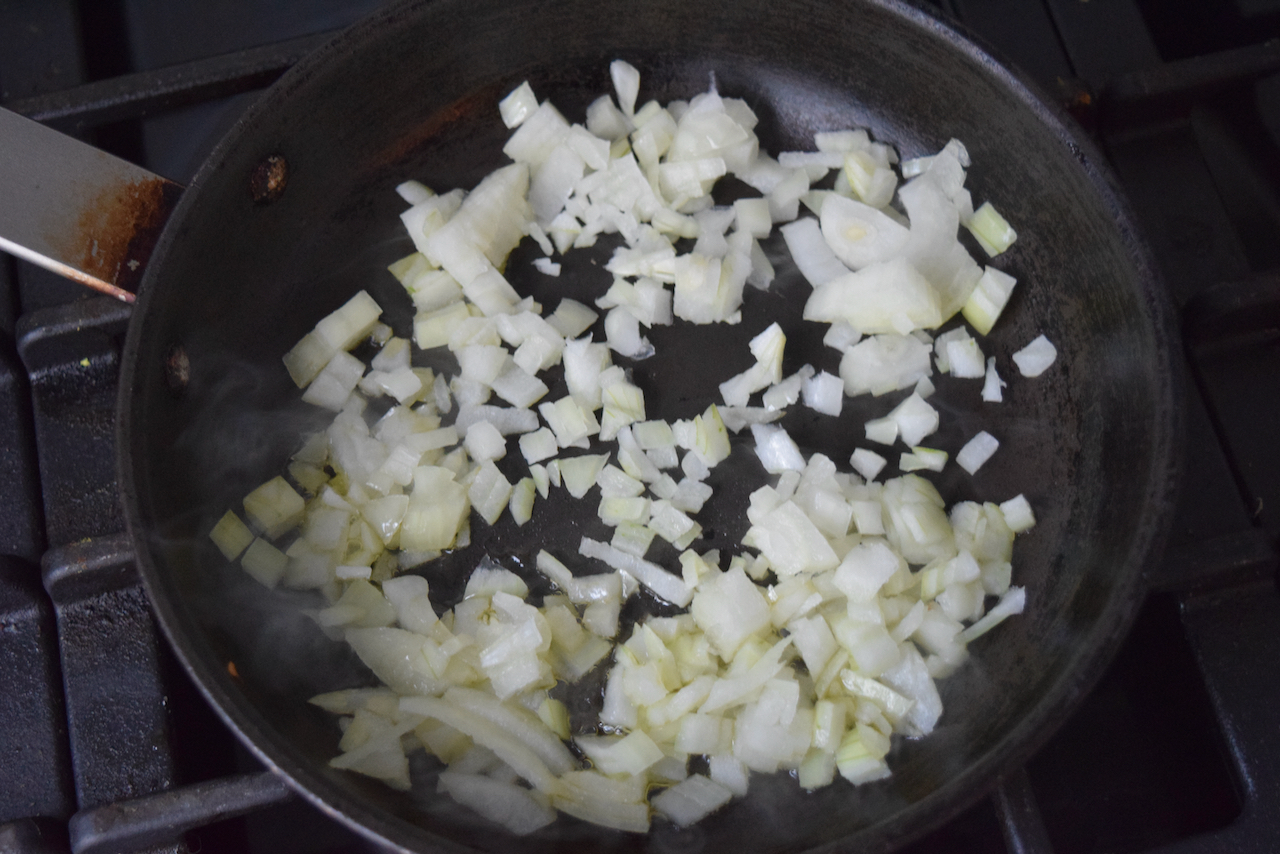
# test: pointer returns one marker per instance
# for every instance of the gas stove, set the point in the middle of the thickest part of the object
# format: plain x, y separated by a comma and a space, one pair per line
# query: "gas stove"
107, 747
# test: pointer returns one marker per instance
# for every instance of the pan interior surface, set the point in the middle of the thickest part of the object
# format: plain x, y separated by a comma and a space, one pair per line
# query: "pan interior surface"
413, 93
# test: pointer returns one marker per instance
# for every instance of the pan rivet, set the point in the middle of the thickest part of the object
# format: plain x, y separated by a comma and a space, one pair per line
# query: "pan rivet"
177, 368
268, 180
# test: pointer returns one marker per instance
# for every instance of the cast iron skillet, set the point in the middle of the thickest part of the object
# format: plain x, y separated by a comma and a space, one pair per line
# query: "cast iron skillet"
412, 92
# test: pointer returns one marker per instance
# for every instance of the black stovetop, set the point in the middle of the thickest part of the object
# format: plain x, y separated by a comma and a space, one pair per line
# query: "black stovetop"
105, 745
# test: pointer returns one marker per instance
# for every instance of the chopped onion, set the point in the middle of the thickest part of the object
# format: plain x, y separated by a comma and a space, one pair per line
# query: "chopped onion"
626, 82
824, 393
663, 584
812, 254
515, 107
915, 419
1017, 514
929, 459
692, 799
992, 385
1035, 358
884, 363
993, 232
776, 450
977, 451
869, 463
873, 581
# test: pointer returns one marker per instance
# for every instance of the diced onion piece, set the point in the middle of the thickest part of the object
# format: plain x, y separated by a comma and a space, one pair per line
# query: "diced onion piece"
632, 754
868, 517
729, 608
752, 216
894, 704
884, 363
624, 405
632, 538
484, 443
869, 463
965, 359
508, 421
622, 330
670, 523
434, 328
231, 535
915, 419
691, 800
615, 483
988, 299
1017, 514
791, 542
521, 501
308, 358
664, 584
414, 192
882, 430
711, 439
333, 385
784, 198
977, 451
579, 473
573, 424
546, 266
571, 318
275, 507
409, 595
514, 807
1035, 358
993, 232
732, 690
812, 254
992, 384
626, 83
859, 234
264, 562
786, 392
587, 795
518, 387
518, 105
605, 120
824, 393
841, 336
870, 180
539, 445
518, 721
489, 492
616, 510
353, 321
910, 678
776, 449
923, 458
886, 296
508, 746
1012, 602
767, 347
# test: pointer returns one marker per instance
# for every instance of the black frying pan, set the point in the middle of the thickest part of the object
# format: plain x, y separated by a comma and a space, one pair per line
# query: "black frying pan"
239, 276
